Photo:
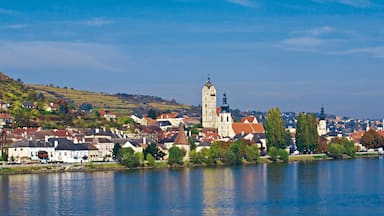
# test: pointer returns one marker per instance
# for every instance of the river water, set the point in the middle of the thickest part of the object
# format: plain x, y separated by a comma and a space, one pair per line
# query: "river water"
343, 187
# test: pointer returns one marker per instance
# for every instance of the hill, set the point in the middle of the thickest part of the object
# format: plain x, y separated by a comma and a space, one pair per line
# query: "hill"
119, 103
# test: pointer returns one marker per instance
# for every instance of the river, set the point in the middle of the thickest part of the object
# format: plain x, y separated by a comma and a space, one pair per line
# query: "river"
339, 187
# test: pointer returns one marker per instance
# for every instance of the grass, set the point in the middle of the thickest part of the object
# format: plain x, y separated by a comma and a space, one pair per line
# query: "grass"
105, 166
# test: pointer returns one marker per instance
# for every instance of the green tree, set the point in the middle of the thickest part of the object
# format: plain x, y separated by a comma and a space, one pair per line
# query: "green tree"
275, 130
153, 150
283, 155
176, 156
196, 157
273, 153
151, 160
115, 151
307, 138
251, 153
233, 156
129, 158
336, 150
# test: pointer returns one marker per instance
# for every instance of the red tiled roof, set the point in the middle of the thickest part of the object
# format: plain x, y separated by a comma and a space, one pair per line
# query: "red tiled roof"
246, 128
168, 115
5, 116
250, 119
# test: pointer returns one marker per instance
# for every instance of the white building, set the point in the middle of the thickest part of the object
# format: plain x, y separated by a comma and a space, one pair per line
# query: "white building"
28, 150
68, 152
322, 127
225, 120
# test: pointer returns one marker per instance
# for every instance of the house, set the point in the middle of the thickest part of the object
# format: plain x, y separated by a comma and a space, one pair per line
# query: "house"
68, 152
28, 150
173, 118
203, 145
29, 105
104, 147
4, 106
247, 128
249, 119
5, 119
50, 107
107, 114
134, 144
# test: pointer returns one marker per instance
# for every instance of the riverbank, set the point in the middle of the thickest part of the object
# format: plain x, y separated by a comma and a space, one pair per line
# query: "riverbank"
114, 166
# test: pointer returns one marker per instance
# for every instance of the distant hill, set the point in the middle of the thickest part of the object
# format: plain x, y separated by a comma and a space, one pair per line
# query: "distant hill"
121, 103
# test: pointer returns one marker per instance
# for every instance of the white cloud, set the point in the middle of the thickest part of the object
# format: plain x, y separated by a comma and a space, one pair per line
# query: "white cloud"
43, 55
7, 12
352, 3
315, 31
97, 21
302, 43
377, 52
16, 26
243, 3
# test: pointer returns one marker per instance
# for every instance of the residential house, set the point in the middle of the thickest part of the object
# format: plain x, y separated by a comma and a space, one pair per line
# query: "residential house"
136, 145
107, 114
29, 105
28, 150
104, 147
68, 152
5, 119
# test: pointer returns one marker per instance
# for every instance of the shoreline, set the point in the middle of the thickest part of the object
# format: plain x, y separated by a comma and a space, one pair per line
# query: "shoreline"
115, 166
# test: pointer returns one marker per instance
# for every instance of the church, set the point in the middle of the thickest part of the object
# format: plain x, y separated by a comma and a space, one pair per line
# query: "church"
220, 118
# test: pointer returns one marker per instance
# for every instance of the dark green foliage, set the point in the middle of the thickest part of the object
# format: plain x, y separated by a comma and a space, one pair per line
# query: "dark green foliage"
153, 150
233, 156
307, 138
275, 130
115, 151
153, 113
176, 156
196, 157
192, 144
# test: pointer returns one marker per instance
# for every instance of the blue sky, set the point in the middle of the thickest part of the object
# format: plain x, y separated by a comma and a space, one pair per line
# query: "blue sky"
296, 55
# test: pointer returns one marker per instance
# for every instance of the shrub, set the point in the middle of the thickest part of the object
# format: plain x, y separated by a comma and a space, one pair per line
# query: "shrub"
283, 155
272, 152
151, 160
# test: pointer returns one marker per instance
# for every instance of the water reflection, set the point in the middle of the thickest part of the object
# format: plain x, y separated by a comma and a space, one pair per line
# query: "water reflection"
317, 188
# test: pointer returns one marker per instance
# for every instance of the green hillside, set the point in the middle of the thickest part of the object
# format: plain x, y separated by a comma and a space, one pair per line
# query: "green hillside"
67, 104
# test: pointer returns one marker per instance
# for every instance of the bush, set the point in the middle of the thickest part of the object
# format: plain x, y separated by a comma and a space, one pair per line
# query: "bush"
251, 153
151, 160
283, 155
273, 153
176, 156
336, 150
196, 157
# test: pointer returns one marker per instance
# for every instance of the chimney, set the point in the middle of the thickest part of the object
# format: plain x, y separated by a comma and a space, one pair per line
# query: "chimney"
56, 143
144, 140
97, 130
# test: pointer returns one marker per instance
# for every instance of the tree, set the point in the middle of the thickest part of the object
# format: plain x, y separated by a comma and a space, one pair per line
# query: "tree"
151, 160
233, 156
129, 158
348, 145
196, 157
336, 150
251, 153
306, 133
115, 151
371, 139
283, 155
273, 153
176, 156
275, 130
153, 150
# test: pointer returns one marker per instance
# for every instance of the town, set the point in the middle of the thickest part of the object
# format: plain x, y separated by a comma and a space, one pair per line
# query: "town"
155, 134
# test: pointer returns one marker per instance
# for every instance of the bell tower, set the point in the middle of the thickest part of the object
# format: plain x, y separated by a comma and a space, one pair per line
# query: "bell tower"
208, 105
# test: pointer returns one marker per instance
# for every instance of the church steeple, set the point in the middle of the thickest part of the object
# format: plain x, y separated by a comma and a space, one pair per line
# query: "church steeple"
225, 106
322, 113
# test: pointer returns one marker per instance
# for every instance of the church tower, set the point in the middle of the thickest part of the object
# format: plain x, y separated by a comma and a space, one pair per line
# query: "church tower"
225, 120
322, 127
208, 105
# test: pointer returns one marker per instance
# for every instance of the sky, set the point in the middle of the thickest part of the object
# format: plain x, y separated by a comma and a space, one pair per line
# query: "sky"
296, 55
